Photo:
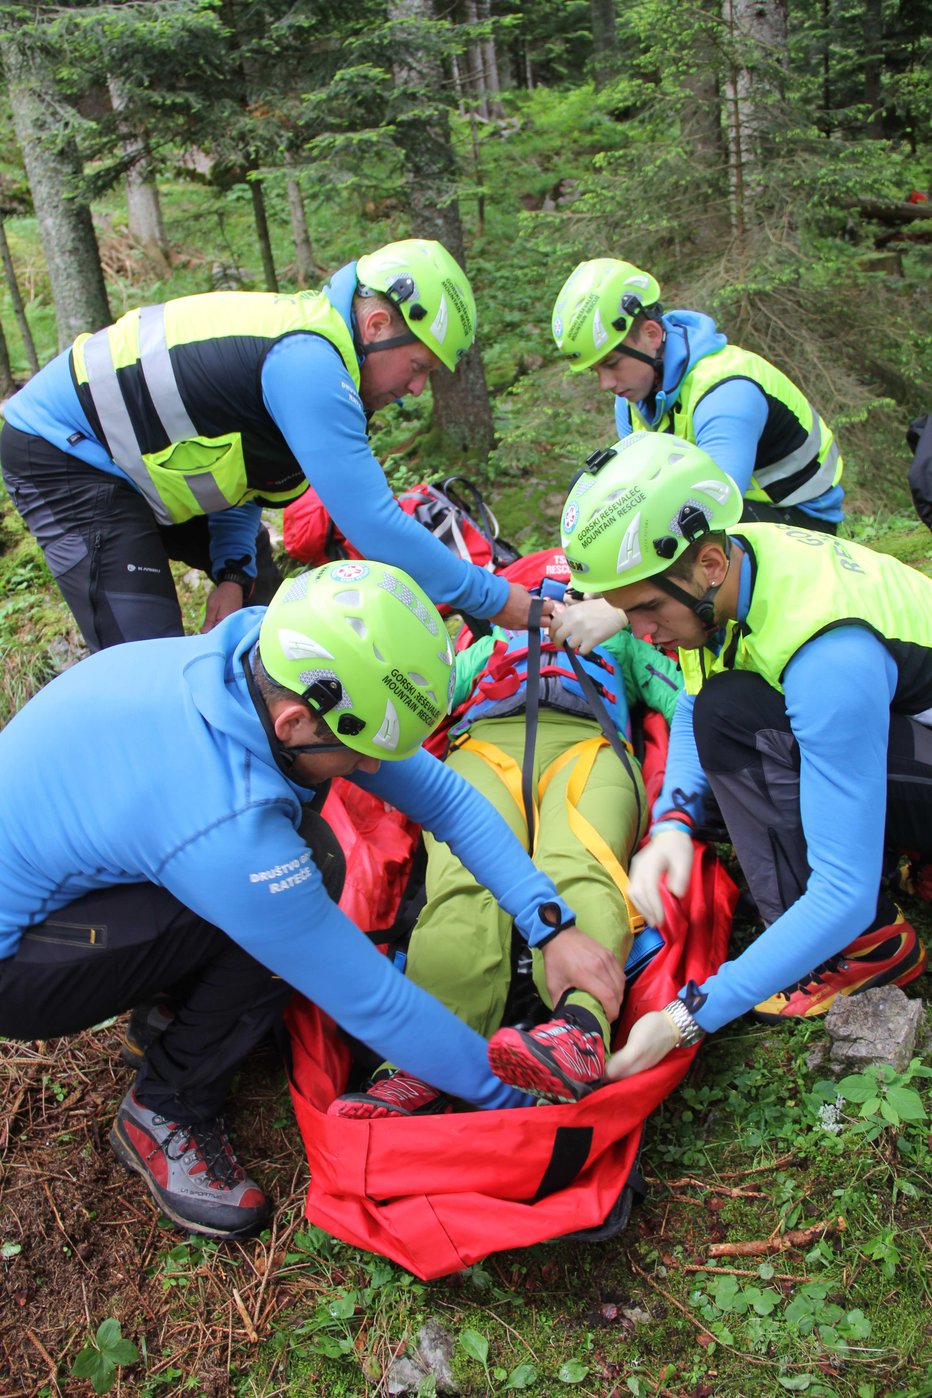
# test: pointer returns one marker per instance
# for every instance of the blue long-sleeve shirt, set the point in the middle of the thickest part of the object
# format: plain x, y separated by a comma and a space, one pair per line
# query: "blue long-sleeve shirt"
729, 420
148, 763
842, 732
318, 411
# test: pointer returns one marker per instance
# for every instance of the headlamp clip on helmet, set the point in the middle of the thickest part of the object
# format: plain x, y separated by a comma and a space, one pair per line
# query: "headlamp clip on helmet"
402, 289
597, 459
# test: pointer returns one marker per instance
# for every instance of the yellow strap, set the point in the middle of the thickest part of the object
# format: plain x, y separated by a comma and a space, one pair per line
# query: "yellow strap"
506, 766
584, 754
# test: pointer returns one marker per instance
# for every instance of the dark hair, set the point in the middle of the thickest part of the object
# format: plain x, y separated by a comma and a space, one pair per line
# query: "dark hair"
366, 298
274, 693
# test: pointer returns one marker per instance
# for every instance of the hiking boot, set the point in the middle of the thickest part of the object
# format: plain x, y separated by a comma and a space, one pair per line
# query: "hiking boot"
192, 1171
557, 1061
392, 1092
146, 1023
890, 955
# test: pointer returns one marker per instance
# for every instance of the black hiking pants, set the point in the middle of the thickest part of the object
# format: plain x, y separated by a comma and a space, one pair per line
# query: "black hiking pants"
121, 946
104, 547
751, 759
764, 512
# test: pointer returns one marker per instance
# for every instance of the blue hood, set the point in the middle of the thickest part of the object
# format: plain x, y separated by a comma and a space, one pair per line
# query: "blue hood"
691, 336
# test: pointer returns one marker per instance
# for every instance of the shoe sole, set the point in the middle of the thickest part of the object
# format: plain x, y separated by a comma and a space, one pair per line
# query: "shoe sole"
518, 1063
127, 1156
908, 970
132, 1054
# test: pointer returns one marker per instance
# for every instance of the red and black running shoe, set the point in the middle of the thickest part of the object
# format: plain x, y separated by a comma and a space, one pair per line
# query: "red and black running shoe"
557, 1061
392, 1092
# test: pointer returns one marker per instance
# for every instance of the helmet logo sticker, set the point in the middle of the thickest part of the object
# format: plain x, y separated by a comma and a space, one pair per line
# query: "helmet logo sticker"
440, 322
558, 330
599, 333
389, 729
629, 554
297, 646
570, 517
349, 572
460, 306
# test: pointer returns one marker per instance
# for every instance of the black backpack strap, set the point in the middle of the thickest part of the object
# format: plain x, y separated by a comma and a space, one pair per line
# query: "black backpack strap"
532, 709
587, 685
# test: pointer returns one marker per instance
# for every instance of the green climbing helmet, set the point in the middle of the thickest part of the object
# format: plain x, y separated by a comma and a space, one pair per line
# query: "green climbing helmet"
638, 505
365, 648
596, 308
431, 291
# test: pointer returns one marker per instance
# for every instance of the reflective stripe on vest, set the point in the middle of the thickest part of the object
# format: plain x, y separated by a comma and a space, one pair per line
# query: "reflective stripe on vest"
796, 460
112, 410
159, 375
818, 452
211, 454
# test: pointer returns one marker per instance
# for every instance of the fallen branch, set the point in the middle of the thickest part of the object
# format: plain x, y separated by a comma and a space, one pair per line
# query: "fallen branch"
795, 1238
245, 1317
743, 1272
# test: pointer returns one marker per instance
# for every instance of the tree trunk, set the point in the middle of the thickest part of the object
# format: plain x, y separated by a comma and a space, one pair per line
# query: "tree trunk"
262, 233
604, 40
490, 65
19, 310
143, 206
873, 67
757, 36
477, 81
303, 253
705, 150
462, 412
7, 382
53, 168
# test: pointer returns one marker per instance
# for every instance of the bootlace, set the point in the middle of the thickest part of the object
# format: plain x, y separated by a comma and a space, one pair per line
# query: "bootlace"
817, 977
212, 1145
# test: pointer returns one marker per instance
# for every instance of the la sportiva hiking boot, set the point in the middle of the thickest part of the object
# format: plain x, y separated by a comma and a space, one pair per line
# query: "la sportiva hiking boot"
557, 1061
392, 1092
192, 1171
890, 955
146, 1023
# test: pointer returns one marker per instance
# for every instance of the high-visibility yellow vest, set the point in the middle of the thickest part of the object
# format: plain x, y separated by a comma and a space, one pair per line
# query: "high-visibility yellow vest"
805, 583
797, 456
174, 392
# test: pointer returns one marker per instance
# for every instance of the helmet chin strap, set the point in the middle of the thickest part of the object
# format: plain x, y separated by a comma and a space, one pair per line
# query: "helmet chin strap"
284, 755
373, 346
703, 607
654, 360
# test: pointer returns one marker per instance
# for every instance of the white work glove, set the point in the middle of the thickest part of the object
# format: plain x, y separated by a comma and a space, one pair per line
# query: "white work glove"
583, 625
670, 852
651, 1038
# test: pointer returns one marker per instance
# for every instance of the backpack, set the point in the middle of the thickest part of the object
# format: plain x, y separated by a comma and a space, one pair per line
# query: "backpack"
453, 509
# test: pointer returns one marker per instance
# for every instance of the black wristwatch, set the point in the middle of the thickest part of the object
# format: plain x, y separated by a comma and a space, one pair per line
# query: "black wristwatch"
232, 574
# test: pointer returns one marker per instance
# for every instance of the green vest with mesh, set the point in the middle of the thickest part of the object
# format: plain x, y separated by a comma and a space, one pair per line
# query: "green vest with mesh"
174, 392
805, 583
797, 456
